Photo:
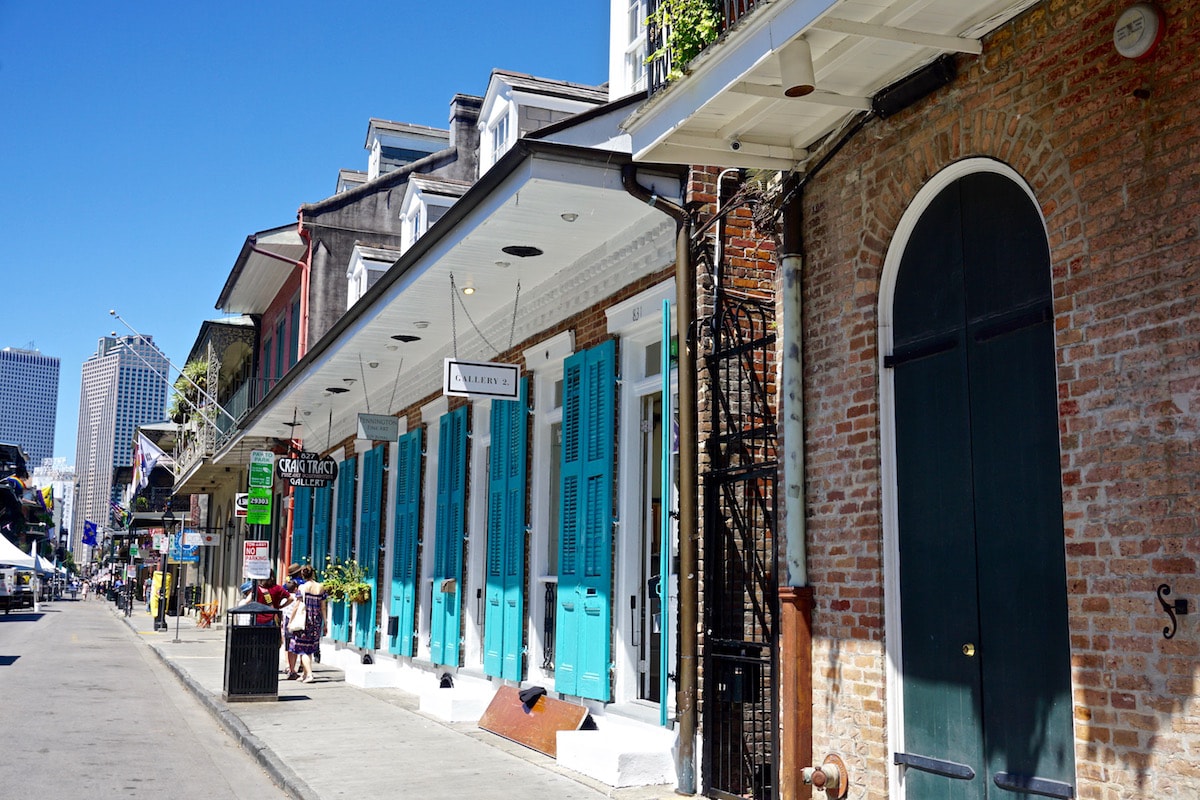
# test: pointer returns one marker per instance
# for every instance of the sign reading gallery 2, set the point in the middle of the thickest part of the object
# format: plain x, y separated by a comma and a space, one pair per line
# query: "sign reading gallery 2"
306, 469
475, 379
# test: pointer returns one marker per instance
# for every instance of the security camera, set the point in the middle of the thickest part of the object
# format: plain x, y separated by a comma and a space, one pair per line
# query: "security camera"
735, 145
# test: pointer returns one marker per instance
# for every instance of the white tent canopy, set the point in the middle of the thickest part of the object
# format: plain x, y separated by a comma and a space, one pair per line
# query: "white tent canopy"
11, 556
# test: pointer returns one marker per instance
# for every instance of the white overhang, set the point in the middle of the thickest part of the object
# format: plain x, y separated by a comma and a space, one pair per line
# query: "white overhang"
729, 110
266, 262
520, 202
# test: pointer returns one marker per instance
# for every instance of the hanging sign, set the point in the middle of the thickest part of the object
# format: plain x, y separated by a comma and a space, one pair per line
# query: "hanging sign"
481, 379
258, 510
159, 542
379, 427
307, 469
241, 502
256, 558
192, 537
210, 539
262, 469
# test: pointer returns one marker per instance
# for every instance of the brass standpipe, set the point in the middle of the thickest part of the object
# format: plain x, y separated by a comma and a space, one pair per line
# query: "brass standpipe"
830, 777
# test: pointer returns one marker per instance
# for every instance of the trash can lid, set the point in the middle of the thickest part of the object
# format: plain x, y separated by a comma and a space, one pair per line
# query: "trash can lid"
254, 608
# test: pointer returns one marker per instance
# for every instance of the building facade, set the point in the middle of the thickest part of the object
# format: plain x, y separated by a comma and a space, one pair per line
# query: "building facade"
124, 385
29, 401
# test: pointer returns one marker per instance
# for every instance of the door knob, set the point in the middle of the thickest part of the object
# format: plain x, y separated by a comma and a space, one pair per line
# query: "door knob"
968, 649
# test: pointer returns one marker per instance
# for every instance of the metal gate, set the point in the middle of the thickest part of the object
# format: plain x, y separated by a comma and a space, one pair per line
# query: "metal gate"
740, 597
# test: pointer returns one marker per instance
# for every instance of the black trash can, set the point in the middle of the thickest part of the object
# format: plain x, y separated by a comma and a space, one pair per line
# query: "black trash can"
251, 654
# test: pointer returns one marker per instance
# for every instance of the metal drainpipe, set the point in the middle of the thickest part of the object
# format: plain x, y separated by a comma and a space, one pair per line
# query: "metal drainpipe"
685, 286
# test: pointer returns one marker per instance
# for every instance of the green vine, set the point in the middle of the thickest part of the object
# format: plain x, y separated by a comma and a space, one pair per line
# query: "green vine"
688, 26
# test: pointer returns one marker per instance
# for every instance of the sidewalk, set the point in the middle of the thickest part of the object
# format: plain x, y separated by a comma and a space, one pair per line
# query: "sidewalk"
326, 739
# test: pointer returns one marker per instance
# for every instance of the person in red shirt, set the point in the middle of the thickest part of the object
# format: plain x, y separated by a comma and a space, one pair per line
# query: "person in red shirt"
270, 593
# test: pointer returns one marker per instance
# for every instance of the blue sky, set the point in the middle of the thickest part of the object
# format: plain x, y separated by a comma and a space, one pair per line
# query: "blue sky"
141, 142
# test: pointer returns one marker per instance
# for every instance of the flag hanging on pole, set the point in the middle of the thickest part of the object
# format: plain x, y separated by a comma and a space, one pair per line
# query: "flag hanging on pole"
89, 533
118, 515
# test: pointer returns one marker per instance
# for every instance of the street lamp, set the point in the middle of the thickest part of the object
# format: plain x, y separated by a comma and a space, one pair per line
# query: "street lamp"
160, 618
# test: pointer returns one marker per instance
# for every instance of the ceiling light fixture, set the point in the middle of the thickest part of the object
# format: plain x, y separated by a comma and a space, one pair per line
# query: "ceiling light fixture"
336, 389
372, 364
522, 250
796, 68
469, 289
405, 338
421, 324
503, 264
569, 216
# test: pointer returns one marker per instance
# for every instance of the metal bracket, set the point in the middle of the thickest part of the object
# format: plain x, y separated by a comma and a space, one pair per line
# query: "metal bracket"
1180, 606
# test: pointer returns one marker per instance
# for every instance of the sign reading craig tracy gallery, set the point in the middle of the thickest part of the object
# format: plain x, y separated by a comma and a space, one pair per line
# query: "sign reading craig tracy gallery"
476, 379
306, 469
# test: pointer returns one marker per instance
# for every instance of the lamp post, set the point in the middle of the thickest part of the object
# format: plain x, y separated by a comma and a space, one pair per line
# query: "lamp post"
160, 618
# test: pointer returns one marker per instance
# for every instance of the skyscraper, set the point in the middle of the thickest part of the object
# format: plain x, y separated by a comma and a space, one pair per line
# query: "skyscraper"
124, 385
28, 401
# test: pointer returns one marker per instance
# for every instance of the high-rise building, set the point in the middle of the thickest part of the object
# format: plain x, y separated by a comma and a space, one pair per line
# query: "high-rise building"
124, 385
28, 401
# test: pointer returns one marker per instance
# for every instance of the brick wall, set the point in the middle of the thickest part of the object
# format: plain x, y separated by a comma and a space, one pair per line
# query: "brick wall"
1111, 150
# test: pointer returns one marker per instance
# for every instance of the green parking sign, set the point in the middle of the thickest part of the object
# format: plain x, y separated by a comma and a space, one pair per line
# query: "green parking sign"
262, 469
258, 512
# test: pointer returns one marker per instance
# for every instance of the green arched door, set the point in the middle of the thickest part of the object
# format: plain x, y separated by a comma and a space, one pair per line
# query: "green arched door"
985, 659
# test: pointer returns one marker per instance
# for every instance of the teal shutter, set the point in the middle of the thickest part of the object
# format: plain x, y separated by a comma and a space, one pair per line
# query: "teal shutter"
343, 542
321, 517
405, 541
302, 518
583, 636
503, 625
368, 551
445, 619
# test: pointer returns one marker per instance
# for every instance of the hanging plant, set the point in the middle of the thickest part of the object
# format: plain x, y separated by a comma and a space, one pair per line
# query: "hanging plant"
687, 27
345, 580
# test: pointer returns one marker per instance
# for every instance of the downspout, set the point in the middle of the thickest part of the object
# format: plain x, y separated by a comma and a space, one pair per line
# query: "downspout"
795, 595
685, 286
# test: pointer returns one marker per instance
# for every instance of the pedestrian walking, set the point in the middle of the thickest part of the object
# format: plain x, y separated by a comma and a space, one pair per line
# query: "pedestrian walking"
307, 642
290, 611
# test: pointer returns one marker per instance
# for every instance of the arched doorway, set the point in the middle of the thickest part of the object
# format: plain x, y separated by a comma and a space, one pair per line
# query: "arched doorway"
978, 640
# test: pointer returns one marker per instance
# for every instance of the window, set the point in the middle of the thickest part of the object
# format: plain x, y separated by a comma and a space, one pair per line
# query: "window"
635, 52
295, 354
266, 361
280, 346
500, 137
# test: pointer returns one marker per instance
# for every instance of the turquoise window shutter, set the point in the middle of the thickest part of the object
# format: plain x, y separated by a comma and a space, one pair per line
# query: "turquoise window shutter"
343, 541
302, 518
322, 510
368, 553
583, 641
504, 611
405, 542
445, 619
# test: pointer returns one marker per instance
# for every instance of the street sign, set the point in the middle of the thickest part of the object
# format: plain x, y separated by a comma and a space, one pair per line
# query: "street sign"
210, 539
262, 469
181, 553
241, 502
258, 510
256, 558
193, 537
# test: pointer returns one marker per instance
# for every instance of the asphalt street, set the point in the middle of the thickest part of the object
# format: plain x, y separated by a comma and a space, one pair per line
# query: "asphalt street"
88, 712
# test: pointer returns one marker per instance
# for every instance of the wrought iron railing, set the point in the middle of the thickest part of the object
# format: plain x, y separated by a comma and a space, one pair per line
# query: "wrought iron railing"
658, 38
